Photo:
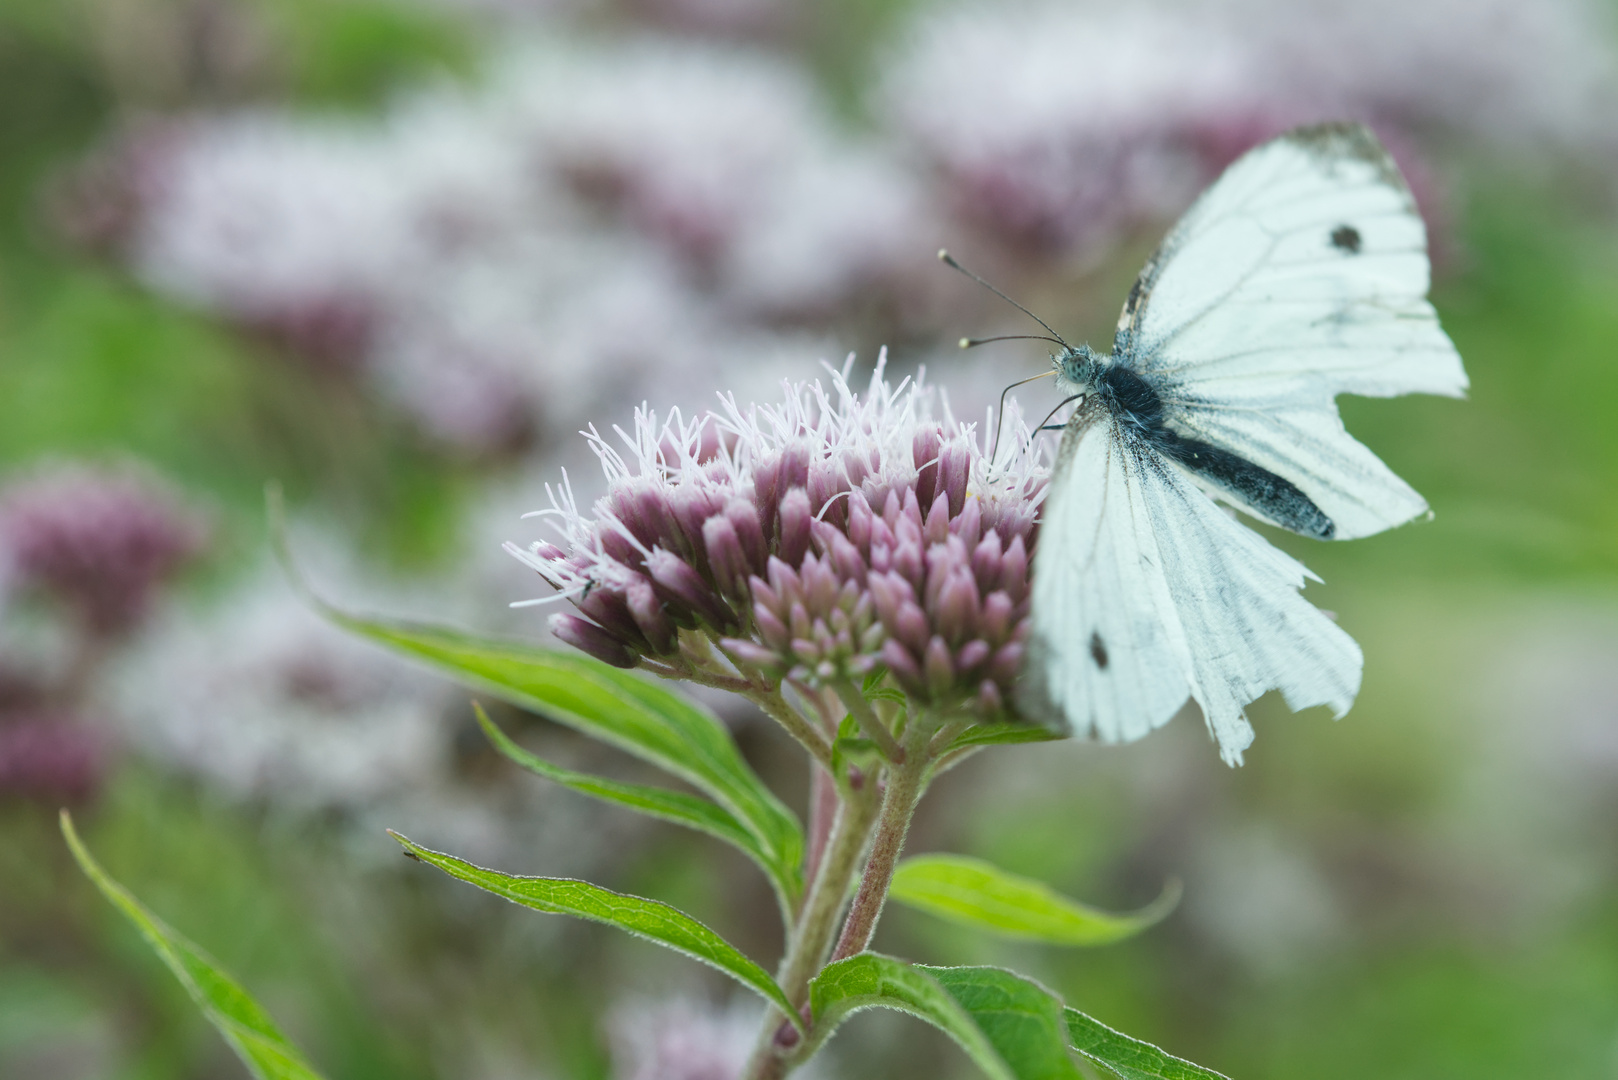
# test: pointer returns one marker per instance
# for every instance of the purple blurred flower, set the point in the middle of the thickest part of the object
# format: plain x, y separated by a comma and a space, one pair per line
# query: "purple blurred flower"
98, 540
49, 758
815, 541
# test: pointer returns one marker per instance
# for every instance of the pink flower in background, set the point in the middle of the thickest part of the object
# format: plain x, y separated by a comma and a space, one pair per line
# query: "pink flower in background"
49, 758
814, 540
100, 541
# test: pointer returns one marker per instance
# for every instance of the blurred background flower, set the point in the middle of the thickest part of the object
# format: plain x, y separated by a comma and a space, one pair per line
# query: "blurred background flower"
395, 254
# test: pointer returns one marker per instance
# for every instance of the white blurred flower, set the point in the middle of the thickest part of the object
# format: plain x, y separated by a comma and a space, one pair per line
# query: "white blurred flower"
729, 158
266, 700
1056, 125
684, 1039
592, 225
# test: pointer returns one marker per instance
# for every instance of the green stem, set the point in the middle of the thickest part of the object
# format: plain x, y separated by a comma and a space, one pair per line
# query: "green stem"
870, 722
905, 785
813, 739
812, 935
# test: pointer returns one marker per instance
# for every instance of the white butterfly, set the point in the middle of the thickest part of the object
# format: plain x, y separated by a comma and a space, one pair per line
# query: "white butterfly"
1300, 275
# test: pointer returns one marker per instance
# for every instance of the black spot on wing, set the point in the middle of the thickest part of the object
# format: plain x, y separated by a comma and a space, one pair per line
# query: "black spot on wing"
1346, 238
1098, 650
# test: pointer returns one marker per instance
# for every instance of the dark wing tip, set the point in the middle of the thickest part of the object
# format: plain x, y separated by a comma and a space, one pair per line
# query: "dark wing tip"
1345, 140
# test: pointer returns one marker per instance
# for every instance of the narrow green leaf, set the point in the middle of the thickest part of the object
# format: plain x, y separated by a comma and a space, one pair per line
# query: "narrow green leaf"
1129, 1058
1002, 734
617, 707
1021, 1019
692, 811
975, 893
244, 1024
650, 919
871, 980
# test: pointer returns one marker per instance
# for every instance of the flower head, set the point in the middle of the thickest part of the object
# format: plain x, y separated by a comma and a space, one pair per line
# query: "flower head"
100, 541
49, 758
815, 541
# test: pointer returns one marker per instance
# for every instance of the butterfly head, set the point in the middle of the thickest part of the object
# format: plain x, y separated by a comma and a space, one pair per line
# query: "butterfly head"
1077, 369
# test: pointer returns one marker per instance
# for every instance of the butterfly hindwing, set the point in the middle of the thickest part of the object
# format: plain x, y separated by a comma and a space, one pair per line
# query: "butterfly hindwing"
1146, 593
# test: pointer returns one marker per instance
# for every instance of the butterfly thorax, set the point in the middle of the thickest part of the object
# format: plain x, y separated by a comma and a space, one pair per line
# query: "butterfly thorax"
1128, 397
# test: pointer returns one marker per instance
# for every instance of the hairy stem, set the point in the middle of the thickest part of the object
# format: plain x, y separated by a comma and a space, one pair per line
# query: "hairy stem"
905, 784
797, 725
812, 935
870, 722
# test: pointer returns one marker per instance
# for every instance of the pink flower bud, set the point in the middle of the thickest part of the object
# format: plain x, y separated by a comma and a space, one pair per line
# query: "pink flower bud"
972, 654
937, 527
924, 448
609, 608
969, 524
795, 526
726, 561
956, 614
751, 654
995, 622
903, 666
1014, 570
771, 628
650, 616
744, 518
589, 638
954, 467
677, 583
986, 562
938, 667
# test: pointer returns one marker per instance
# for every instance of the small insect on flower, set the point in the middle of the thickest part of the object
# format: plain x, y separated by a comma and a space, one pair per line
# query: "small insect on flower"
1300, 275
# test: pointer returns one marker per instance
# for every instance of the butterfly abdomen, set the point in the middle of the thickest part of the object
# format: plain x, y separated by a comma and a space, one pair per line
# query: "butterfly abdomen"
1135, 404
1273, 496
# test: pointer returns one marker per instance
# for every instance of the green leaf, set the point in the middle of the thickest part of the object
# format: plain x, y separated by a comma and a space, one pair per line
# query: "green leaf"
871, 980
650, 919
978, 894
244, 1024
1021, 1019
617, 707
692, 811
1002, 734
1129, 1058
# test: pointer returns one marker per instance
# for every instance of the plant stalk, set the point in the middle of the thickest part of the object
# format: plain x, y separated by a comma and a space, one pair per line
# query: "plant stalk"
816, 925
870, 722
905, 784
808, 734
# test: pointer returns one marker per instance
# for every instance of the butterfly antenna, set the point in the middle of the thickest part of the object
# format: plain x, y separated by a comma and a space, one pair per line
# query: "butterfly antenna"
974, 342
949, 260
1000, 421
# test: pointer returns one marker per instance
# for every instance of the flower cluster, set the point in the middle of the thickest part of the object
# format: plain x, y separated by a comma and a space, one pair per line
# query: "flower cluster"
49, 758
492, 262
98, 541
812, 541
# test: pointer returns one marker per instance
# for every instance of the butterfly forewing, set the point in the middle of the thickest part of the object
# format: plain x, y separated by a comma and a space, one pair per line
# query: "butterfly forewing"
1301, 274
